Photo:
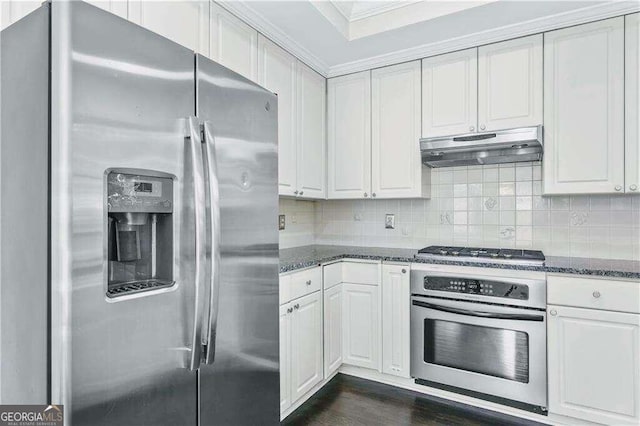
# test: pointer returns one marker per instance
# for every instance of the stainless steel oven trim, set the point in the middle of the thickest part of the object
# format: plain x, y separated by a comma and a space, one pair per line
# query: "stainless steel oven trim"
479, 314
537, 288
534, 392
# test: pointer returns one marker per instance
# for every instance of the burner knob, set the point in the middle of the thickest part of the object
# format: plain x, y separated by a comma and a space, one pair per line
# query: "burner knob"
474, 253
443, 252
455, 253
507, 255
494, 254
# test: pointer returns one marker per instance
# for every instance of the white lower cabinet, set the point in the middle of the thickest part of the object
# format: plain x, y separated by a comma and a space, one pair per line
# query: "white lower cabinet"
361, 339
332, 329
594, 365
300, 347
285, 357
396, 295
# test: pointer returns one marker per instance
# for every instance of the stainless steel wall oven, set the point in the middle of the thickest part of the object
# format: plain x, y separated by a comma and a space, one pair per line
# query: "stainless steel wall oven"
481, 331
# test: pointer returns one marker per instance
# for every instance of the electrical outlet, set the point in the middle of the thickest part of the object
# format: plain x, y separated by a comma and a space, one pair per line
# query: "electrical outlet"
294, 219
281, 222
390, 221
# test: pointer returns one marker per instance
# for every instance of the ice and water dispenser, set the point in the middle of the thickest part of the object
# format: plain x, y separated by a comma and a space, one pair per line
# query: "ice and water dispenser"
140, 231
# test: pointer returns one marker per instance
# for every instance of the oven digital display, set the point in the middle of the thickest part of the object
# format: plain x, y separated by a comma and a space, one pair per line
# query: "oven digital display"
479, 287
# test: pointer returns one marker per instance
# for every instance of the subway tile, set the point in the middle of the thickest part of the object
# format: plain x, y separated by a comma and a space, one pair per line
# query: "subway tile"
460, 204
474, 189
507, 203
490, 175
490, 189
507, 174
523, 203
460, 190
524, 173
507, 188
460, 175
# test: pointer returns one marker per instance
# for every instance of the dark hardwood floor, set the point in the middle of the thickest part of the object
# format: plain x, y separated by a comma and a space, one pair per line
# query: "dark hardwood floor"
347, 400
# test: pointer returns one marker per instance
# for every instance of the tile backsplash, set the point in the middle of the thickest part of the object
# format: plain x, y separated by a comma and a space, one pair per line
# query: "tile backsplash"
491, 206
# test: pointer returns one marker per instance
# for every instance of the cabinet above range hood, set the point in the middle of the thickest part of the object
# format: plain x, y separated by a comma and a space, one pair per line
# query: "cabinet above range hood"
472, 149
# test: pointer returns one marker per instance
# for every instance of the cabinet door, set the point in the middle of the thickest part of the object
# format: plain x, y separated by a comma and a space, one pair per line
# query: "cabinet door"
306, 344
396, 166
583, 108
185, 22
117, 7
234, 44
285, 360
510, 84
13, 10
277, 72
312, 94
332, 329
632, 103
361, 331
349, 127
594, 365
396, 295
450, 93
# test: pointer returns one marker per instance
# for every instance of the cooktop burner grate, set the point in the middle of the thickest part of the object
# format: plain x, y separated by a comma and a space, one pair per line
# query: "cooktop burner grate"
516, 256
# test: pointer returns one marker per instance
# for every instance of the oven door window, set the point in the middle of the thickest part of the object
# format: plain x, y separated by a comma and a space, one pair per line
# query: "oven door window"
492, 351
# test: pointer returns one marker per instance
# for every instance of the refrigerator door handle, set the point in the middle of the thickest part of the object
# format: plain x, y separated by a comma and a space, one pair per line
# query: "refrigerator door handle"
199, 198
213, 208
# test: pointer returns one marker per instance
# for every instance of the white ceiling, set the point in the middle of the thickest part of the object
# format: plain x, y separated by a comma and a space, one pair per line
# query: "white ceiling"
302, 28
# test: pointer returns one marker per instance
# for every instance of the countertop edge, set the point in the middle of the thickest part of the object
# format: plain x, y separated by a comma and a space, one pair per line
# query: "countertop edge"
587, 271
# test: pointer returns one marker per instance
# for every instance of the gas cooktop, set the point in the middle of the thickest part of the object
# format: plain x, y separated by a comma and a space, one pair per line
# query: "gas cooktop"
475, 254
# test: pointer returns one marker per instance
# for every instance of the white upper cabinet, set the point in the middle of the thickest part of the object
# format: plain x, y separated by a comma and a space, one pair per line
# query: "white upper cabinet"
396, 294
11, 11
311, 134
277, 72
632, 103
349, 136
594, 365
584, 108
117, 7
510, 84
450, 93
396, 166
233, 43
185, 22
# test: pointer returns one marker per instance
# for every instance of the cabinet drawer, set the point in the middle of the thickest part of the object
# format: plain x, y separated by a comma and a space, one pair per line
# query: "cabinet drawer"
332, 275
594, 293
306, 282
361, 273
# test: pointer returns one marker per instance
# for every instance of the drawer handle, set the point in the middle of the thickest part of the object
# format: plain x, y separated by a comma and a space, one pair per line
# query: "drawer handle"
309, 282
553, 312
296, 306
404, 271
289, 310
596, 294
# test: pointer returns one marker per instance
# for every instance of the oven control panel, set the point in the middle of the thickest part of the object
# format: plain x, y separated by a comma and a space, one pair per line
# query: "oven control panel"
477, 286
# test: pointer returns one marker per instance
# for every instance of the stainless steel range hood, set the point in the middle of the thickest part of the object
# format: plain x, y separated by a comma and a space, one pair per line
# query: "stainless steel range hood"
504, 146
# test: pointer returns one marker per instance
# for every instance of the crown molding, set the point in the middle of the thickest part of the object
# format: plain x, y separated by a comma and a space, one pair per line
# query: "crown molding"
534, 26
247, 14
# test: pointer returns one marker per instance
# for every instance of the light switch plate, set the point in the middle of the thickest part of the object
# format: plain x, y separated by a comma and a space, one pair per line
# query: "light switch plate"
281, 222
390, 221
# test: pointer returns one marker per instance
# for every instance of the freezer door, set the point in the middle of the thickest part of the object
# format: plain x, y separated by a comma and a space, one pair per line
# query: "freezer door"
120, 96
240, 386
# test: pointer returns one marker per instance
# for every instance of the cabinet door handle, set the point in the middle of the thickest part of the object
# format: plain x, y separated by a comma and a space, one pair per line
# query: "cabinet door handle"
618, 188
366, 195
373, 195
471, 128
309, 282
633, 187
482, 127
295, 192
289, 310
596, 294
404, 271
553, 312
301, 192
296, 306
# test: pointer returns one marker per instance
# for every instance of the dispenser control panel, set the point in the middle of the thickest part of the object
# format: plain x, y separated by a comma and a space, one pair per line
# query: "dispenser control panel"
135, 193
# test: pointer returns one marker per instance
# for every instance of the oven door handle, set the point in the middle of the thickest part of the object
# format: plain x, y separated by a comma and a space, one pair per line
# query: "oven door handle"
492, 315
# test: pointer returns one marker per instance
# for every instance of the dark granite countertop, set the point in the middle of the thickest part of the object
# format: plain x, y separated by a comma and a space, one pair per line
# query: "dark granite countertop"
307, 256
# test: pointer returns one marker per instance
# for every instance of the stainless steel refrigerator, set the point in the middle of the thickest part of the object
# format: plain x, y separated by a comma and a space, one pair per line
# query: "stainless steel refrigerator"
138, 227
